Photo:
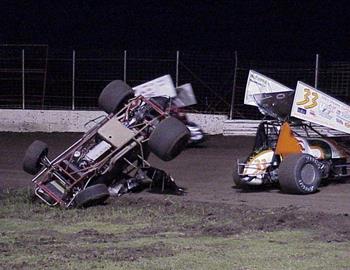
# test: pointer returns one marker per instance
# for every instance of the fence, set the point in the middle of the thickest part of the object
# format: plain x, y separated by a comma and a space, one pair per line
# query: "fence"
36, 77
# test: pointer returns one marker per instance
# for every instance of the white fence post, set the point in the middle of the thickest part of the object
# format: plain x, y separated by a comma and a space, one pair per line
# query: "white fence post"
125, 59
23, 86
234, 86
316, 70
73, 81
177, 69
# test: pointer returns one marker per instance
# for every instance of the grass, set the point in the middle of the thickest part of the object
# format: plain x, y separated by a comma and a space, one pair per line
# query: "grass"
149, 236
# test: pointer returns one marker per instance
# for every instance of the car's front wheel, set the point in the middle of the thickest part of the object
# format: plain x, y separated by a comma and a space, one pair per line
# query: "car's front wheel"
32, 162
92, 195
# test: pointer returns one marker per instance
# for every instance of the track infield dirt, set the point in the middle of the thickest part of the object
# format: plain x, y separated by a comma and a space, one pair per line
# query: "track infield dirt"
164, 227
205, 171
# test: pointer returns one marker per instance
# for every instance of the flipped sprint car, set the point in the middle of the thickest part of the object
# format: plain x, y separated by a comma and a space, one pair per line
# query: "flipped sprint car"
296, 154
113, 151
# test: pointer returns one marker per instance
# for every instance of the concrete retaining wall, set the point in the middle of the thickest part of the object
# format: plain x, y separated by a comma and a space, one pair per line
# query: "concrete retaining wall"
74, 121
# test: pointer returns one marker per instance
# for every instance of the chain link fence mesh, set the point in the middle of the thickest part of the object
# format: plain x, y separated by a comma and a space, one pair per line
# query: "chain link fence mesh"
36, 77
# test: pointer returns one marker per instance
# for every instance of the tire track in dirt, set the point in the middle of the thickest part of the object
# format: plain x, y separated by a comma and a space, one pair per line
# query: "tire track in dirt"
205, 171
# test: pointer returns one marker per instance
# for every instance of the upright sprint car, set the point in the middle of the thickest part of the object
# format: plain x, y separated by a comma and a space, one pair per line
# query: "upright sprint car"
304, 142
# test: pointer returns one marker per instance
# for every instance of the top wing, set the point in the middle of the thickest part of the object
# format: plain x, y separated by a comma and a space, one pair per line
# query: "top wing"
182, 96
312, 105
159, 87
260, 84
185, 96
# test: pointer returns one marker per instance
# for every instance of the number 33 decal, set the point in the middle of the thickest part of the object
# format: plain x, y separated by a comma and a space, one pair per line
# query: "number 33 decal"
309, 97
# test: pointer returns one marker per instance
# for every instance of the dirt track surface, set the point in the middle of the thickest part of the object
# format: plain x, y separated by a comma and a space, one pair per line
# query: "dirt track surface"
205, 172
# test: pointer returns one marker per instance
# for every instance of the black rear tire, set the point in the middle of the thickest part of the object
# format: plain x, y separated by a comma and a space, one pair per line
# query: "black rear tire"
92, 195
114, 96
33, 156
169, 138
299, 174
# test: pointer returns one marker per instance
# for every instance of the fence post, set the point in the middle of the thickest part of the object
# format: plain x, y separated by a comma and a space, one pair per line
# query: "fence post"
177, 69
125, 54
316, 70
45, 77
234, 86
73, 80
23, 87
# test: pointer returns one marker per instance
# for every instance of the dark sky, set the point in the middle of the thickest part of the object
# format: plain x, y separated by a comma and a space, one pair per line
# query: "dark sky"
270, 29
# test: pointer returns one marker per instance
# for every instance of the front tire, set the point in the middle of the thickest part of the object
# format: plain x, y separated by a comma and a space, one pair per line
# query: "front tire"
33, 157
239, 183
169, 138
92, 195
237, 179
243, 185
299, 174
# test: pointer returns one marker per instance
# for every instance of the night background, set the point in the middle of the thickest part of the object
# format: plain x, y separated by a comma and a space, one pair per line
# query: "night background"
277, 38
265, 29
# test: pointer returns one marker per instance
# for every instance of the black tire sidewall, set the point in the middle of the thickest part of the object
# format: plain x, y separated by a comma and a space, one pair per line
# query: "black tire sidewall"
302, 162
169, 138
33, 155
92, 195
236, 178
290, 178
114, 96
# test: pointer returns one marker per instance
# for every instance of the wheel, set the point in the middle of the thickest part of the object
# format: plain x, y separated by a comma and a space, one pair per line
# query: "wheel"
299, 174
92, 195
33, 156
169, 138
114, 96
239, 183
197, 134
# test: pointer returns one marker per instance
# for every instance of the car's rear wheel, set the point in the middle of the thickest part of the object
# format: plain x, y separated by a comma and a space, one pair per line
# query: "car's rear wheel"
114, 96
299, 174
32, 162
92, 195
169, 138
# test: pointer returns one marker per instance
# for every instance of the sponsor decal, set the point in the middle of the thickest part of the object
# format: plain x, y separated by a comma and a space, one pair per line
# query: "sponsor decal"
339, 121
305, 187
327, 110
301, 110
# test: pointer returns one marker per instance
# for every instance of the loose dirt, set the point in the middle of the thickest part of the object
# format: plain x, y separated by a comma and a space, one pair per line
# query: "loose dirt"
206, 173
